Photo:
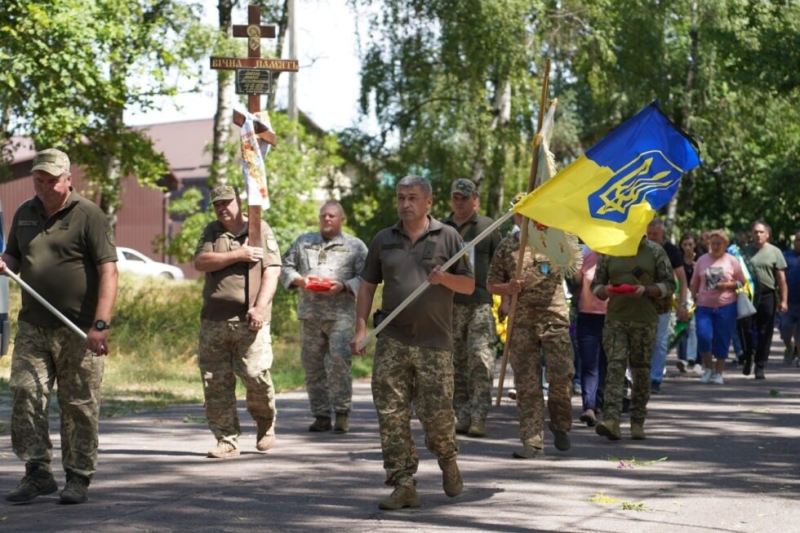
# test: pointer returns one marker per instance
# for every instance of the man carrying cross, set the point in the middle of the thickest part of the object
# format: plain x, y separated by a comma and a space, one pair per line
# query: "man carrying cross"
234, 336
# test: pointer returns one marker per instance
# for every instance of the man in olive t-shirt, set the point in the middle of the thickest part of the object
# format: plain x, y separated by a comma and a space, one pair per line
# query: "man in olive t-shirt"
768, 270
63, 247
413, 361
234, 336
473, 323
629, 332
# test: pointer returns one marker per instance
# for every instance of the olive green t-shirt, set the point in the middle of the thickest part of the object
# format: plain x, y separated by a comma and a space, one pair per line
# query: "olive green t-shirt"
402, 267
59, 257
765, 260
480, 255
225, 291
650, 266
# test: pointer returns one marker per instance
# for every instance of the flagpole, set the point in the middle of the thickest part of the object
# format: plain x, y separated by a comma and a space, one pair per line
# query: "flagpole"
419, 290
38, 297
523, 237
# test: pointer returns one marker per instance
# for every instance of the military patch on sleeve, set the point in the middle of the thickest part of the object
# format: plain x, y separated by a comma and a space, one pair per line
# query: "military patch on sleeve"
110, 237
272, 244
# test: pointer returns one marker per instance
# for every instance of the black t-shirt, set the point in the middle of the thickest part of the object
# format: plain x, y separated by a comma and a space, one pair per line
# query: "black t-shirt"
674, 254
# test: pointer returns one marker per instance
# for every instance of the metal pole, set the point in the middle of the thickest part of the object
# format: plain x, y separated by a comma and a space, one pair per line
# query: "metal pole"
67, 322
292, 55
419, 290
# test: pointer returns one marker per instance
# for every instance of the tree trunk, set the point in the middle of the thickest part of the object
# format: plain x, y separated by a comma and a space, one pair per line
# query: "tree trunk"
686, 112
223, 118
501, 116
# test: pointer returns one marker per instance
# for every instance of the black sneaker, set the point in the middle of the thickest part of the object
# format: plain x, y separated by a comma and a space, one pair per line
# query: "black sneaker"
748, 367
655, 387
760, 373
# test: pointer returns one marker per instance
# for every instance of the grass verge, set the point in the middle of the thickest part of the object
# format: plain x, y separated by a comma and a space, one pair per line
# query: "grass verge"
153, 359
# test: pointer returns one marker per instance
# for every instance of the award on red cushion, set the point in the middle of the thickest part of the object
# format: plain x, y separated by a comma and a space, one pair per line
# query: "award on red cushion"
318, 284
622, 288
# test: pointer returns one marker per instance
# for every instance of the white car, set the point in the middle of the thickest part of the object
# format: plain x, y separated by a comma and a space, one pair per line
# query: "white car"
139, 264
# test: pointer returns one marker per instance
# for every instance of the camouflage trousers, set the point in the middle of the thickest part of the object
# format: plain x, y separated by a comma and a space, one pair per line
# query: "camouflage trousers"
473, 360
402, 375
227, 350
326, 360
529, 344
43, 357
627, 343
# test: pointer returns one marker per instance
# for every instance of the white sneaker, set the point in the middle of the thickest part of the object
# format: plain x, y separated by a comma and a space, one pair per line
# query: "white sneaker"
718, 379
706, 376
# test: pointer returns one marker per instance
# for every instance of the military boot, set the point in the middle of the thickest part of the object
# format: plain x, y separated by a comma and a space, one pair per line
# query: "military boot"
451, 477
37, 482
637, 429
402, 496
222, 450
561, 439
76, 490
462, 426
265, 438
609, 429
477, 429
342, 424
322, 423
528, 451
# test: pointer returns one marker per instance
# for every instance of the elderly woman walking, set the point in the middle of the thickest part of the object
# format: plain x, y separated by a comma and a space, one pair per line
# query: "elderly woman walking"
717, 276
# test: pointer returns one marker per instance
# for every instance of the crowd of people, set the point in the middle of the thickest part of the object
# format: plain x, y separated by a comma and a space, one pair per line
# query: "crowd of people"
435, 357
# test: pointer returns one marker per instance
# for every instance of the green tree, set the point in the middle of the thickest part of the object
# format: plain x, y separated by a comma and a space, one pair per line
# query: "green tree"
294, 173
72, 69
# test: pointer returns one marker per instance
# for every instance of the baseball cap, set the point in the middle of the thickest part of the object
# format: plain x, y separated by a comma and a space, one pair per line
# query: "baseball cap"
464, 186
52, 161
222, 192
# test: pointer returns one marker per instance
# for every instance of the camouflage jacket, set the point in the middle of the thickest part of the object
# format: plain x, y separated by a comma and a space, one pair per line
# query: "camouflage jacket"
340, 259
542, 297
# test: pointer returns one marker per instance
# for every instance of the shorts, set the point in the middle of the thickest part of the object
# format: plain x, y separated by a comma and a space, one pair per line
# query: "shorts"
788, 321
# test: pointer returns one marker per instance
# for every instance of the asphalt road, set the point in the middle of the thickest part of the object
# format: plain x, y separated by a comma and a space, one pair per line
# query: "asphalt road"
717, 459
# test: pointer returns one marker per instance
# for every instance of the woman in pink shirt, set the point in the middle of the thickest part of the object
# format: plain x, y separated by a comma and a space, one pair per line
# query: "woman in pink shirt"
589, 334
717, 276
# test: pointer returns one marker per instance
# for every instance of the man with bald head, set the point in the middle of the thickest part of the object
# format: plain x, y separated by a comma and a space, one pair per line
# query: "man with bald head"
326, 316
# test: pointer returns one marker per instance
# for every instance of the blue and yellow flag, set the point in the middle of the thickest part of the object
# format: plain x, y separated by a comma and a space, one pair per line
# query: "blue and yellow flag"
609, 195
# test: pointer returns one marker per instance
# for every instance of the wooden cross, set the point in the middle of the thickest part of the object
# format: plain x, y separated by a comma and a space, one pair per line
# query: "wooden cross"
254, 32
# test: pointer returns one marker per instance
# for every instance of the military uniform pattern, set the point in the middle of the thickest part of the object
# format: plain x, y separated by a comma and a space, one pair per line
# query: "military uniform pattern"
402, 375
473, 360
41, 357
227, 350
528, 346
542, 298
627, 343
540, 330
325, 355
340, 258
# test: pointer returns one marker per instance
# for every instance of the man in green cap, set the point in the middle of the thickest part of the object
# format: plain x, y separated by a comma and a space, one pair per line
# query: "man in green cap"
234, 335
63, 247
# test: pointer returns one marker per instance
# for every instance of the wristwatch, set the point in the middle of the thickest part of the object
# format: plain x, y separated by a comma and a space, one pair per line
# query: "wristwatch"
100, 325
